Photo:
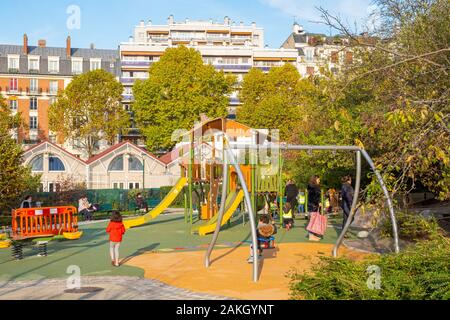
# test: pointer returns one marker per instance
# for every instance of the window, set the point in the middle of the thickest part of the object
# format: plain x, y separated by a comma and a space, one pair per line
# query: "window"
33, 63
133, 185
13, 63
34, 84
128, 90
118, 185
53, 87
230, 60
37, 164
208, 60
134, 164
33, 103
55, 164
13, 84
96, 64
77, 66
54, 187
349, 57
116, 164
309, 54
140, 75
33, 123
53, 64
13, 104
334, 57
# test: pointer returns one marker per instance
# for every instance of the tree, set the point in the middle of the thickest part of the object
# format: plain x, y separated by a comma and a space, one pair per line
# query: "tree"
406, 118
15, 179
277, 100
89, 110
180, 88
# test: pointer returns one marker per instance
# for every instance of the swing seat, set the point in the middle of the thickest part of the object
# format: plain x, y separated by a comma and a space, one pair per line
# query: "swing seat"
267, 243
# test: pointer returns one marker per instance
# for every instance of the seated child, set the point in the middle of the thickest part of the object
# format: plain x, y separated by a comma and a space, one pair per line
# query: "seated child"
265, 230
274, 209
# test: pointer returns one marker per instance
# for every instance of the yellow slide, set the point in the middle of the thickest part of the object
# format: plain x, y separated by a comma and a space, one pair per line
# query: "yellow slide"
165, 203
204, 230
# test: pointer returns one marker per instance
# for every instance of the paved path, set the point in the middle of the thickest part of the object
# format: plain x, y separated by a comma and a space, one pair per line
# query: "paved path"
107, 288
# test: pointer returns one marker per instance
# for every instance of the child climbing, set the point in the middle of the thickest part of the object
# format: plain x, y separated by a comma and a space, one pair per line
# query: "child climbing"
265, 230
116, 230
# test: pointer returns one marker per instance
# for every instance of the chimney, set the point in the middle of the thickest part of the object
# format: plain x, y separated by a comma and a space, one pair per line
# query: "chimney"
68, 48
226, 20
42, 43
92, 46
170, 20
253, 25
25, 44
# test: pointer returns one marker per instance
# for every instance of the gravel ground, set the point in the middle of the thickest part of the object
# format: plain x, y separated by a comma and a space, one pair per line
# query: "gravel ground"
98, 288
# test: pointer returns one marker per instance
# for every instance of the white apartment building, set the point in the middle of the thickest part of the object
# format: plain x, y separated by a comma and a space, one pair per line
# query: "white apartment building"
318, 51
228, 46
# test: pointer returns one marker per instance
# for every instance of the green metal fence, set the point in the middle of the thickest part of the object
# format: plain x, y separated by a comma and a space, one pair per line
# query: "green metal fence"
111, 199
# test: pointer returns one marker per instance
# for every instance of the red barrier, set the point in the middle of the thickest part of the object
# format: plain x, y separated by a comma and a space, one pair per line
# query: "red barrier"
42, 222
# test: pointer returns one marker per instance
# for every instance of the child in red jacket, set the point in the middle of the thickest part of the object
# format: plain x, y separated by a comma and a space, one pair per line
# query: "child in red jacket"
116, 230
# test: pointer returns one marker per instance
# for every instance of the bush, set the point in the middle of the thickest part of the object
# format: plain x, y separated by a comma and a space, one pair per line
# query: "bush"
411, 227
421, 272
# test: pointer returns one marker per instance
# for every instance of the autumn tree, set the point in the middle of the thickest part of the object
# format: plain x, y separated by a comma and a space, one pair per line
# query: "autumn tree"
402, 103
89, 110
180, 88
15, 178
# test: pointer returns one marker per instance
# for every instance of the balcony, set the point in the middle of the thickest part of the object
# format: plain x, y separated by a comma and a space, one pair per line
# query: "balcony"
127, 97
234, 101
142, 64
264, 68
13, 70
10, 90
232, 67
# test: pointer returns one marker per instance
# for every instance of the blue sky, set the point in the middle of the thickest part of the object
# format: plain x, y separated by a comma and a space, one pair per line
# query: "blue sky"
108, 22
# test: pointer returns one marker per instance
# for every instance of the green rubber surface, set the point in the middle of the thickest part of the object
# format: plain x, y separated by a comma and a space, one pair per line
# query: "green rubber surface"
167, 233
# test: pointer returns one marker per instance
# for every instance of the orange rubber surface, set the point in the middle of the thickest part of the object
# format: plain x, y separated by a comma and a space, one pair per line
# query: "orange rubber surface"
230, 275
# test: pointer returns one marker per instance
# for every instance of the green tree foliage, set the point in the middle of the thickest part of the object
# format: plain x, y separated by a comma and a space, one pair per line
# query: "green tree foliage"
393, 100
15, 179
396, 95
180, 88
276, 100
90, 110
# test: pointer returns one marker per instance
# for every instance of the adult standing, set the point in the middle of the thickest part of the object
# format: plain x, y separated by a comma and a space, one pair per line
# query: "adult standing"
347, 193
291, 194
314, 194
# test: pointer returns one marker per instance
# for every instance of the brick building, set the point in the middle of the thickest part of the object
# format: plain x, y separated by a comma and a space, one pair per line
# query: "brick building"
31, 76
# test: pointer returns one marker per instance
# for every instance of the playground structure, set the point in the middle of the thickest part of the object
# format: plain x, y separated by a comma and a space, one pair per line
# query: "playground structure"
228, 141
246, 163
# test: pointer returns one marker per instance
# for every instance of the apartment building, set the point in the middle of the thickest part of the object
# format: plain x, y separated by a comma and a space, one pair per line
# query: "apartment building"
31, 76
232, 47
317, 51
